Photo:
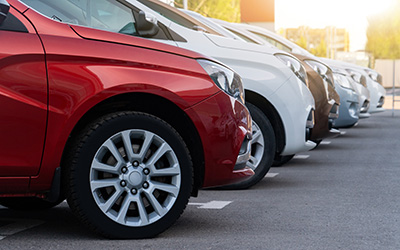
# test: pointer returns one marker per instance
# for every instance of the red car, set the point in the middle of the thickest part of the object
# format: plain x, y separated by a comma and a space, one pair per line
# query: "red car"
124, 128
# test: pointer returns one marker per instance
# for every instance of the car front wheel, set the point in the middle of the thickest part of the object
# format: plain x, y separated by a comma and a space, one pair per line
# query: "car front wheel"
129, 175
262, 148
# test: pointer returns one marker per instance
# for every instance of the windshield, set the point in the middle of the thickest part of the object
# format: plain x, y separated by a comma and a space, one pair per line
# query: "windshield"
107, 15
177, 16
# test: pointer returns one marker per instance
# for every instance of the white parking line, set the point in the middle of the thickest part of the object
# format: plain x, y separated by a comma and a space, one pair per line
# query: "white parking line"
271, 175
343, 132
17, 226
301, 156
211, 204
325, 142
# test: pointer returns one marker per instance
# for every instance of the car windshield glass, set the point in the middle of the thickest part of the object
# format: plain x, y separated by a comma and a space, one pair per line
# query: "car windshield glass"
242, 36
107, 15
177, 16
272, 42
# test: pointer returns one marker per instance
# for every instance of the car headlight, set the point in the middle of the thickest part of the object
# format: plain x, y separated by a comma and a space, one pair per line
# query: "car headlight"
294, 65
342, 81
358, 77
324, 71
225, 78
375, 76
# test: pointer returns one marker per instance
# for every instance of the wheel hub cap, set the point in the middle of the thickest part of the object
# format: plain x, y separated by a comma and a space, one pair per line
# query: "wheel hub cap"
135, 178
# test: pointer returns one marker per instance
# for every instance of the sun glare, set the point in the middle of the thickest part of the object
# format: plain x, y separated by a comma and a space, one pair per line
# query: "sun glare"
349, 14
375, 7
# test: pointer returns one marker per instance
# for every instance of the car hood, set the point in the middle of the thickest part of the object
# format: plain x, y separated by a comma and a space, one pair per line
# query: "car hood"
105, 36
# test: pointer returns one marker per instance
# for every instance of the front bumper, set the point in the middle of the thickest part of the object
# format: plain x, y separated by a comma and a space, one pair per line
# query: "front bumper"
244, 154
224, 126
295, 105
377, 96
348, 109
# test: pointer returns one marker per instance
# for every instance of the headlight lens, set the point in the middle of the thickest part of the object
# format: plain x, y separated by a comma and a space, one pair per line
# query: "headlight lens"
358, 77
342, 81
294, 65
375, 76
224, 78
324, 71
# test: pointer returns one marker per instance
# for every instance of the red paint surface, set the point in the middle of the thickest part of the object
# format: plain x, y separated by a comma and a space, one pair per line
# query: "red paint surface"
85, 67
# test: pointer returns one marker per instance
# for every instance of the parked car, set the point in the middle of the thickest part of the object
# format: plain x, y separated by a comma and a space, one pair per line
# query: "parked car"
275, 85
320, 82
350, 111
376, 90
359, 84
327, 100
123, 127
347, 97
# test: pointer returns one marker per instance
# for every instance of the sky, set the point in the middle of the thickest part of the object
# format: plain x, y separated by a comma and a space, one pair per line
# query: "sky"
349, 14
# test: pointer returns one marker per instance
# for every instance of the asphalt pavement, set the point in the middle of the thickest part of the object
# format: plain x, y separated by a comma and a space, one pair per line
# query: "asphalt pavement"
342, 195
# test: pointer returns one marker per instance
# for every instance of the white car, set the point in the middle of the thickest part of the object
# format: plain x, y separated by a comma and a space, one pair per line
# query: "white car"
276, 94
371, 102
359, 82
376, 91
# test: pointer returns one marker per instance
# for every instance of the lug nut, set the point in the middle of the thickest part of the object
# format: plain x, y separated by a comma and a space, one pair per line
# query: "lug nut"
124, 170
146, 171
135, 163
145, 185
134, 191
123, 183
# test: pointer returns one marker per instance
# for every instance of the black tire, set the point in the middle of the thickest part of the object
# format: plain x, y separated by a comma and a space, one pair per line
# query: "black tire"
27, 203
282, 160
266, 154
84, 200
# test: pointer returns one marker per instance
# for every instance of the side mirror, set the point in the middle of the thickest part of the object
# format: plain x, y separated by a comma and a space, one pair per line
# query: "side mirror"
4, 8
147, 25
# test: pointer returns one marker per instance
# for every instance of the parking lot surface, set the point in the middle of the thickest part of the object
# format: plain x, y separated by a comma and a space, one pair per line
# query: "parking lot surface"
342, 195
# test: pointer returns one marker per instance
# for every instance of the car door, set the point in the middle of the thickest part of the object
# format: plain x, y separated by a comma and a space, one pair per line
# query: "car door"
23, 97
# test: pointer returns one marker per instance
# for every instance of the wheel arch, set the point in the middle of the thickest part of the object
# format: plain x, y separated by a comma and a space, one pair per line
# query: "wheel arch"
269, 110
154, 105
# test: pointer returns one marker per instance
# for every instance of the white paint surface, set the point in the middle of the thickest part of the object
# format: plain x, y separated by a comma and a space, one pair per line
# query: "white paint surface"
211, 204
301, 156
325, 142
271, 175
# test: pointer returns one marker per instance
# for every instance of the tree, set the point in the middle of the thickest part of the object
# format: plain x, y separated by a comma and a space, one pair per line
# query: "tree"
302, 42
320, 50
228, 10
383, 33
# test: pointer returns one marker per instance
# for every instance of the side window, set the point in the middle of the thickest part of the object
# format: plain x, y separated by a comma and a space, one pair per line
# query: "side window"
177, 16
11, 23
108, 15
99, 14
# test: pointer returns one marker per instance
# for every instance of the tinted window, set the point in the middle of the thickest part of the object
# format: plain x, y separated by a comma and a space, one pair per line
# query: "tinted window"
11, 23
107, 15
177, 16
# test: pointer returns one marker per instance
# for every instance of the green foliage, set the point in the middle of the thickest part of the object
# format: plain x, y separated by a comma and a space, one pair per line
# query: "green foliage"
228, 10
383, 33
302, 42
320, 50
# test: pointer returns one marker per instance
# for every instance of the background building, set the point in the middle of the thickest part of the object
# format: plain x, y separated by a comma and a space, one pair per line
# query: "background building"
325, 42
258, 12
